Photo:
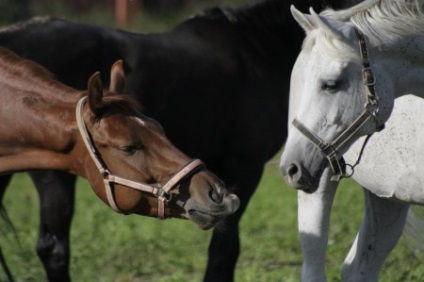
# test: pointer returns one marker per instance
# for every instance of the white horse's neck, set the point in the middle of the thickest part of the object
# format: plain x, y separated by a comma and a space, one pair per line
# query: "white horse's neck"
404, 63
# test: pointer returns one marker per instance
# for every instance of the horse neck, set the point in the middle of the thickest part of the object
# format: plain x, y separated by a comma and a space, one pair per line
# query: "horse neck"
257, 31
404, 63
43, 120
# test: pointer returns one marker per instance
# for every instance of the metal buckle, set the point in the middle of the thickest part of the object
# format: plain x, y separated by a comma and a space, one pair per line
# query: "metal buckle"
368, 76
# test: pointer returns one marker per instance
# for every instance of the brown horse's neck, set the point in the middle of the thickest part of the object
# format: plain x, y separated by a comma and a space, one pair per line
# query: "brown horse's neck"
37, 128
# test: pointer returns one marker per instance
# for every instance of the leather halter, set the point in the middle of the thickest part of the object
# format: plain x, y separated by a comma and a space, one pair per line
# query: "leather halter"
331, 150
161, 191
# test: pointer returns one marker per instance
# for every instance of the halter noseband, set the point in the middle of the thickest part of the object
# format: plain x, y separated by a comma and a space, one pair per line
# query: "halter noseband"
331, 150
161, 191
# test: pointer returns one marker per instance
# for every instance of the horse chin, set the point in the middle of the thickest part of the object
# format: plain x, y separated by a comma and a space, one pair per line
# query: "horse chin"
207, 218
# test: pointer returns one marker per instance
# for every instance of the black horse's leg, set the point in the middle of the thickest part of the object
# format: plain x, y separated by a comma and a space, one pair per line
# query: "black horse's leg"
56, 190
4, 182
224, 247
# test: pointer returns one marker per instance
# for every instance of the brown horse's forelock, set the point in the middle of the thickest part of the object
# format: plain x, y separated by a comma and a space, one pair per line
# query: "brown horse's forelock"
120, 103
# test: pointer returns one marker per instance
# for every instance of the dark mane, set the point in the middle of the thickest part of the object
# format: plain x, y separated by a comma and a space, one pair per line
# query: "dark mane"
258, 13
263, 13
24, 24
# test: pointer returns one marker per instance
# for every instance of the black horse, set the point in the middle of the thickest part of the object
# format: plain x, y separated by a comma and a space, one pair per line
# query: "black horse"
218, 83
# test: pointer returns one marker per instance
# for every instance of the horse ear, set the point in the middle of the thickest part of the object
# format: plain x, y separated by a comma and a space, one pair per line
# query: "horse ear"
95, 93
315, 21
304, 20
117, 77
322, 23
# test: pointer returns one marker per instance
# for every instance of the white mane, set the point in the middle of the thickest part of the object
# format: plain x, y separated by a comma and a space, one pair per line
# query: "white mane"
384, 20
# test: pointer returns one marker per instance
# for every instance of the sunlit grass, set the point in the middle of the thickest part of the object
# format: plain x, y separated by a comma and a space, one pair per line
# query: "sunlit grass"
110, 247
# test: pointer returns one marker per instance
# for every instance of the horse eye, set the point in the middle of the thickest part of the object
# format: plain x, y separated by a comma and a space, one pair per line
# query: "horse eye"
131, 149
330, 86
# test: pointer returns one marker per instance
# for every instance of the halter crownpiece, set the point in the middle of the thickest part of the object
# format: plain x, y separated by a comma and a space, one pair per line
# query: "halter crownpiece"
161, 191
331, 150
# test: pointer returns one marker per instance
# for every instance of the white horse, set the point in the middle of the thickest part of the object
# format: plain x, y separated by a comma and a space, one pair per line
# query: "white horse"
398, 148
327, 97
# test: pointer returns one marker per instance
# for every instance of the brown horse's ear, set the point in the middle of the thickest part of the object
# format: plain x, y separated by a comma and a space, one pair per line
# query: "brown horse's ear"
95, 93
117, 77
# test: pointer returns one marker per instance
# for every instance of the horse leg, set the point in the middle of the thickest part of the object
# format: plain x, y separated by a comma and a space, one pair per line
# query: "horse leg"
56, 190
314, 220
224, 247
381, 229
4, 182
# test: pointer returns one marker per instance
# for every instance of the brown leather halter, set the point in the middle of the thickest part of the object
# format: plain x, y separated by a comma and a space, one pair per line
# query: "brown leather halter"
161, 191
331, 150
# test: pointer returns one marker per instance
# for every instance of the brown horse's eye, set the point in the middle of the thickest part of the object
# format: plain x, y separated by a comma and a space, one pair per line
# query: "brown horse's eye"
131, 149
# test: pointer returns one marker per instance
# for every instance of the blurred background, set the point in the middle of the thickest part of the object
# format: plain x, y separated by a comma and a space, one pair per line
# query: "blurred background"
135, 15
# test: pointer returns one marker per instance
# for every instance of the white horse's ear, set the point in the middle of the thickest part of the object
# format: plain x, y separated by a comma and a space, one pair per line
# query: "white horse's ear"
326, 26
304, 20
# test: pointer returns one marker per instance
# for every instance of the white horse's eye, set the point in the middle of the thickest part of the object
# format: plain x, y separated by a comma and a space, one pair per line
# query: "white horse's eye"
330, 86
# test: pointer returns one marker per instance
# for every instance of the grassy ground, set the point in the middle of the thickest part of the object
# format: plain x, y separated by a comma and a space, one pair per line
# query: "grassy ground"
111, 247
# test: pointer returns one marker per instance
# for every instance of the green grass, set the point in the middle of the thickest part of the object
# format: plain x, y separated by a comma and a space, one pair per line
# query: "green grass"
110, 247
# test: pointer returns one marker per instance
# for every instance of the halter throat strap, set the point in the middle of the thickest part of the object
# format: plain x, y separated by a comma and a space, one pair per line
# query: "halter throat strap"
161, 191
331, 150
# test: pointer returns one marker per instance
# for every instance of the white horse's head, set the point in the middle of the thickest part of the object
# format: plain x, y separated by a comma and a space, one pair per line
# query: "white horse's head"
328, 93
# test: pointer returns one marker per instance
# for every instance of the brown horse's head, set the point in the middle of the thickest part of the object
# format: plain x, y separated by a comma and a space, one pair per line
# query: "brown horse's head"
135, 168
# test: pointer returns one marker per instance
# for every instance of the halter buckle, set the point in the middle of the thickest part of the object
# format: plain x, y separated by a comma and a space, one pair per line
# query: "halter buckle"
368, 76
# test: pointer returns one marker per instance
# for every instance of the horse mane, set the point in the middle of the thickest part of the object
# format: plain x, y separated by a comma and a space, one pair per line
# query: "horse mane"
24, 24
121, 103
384, 20
265, 12
257, 13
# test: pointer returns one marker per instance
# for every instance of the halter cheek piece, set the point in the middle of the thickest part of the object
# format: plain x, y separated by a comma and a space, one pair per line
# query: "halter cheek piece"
161, 191
331, 150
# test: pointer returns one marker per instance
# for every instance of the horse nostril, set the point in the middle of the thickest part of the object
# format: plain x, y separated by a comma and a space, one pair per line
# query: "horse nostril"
292, 170
216, 195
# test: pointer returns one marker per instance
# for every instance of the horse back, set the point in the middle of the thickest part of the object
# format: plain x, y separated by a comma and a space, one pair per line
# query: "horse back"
70, 50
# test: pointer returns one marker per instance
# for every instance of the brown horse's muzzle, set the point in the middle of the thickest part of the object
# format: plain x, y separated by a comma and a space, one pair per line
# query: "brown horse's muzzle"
209, 201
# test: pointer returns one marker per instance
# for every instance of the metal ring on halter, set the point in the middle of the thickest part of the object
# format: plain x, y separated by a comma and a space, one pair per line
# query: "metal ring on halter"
164, 194
345, 174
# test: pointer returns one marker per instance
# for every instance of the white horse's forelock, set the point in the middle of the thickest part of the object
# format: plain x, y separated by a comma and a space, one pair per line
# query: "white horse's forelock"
384, 20
331, 46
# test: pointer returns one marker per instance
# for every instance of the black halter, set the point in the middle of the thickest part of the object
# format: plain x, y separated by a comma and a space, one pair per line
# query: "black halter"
331, 150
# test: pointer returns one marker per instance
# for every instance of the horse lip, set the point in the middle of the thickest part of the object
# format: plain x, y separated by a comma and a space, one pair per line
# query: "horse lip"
227, 207
206, 219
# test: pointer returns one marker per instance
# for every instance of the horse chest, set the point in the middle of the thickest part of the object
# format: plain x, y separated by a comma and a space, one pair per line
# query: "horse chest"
393, 160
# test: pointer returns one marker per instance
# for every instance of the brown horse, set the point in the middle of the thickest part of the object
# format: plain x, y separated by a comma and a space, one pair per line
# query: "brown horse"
101, 136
